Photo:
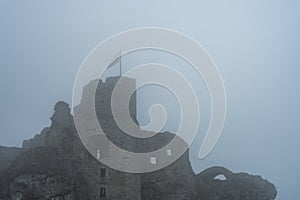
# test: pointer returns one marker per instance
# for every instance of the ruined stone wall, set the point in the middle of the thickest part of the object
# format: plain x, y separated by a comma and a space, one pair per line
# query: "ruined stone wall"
104, 92
117, 185
55, 165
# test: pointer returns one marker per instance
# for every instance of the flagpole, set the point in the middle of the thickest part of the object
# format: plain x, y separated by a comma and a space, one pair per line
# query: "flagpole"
120, 63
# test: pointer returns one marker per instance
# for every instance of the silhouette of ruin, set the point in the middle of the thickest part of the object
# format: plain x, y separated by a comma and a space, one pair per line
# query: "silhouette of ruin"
55, 165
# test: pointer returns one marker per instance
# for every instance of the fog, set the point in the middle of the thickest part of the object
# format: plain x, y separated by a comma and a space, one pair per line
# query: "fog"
255, 44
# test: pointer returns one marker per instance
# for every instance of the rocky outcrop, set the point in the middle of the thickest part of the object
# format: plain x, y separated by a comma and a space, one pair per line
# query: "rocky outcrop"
55, 165
63, 169
37, 141
7, 156
39, 173
235, 186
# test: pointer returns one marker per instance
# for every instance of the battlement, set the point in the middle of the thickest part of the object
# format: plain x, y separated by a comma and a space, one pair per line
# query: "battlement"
103, 95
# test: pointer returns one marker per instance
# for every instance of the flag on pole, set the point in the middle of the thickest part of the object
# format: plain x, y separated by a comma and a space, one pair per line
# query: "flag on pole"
116, 60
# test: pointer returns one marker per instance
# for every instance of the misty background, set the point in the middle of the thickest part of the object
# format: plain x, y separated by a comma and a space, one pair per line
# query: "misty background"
255, 44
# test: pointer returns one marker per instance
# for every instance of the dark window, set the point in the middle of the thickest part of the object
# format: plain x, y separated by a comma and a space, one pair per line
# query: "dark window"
103, 192
103, 172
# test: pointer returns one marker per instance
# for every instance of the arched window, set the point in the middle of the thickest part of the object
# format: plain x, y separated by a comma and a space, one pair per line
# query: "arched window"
153, 160
169, 152
103, 192
103, 172
98, 154
220, 177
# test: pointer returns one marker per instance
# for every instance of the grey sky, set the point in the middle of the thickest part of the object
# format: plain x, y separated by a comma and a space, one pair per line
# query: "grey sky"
255, 44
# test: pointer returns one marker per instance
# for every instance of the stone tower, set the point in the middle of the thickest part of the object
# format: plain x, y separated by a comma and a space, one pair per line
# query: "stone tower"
111, 182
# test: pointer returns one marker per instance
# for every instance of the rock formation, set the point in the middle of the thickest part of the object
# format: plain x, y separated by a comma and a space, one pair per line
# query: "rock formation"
7, 156
55, 165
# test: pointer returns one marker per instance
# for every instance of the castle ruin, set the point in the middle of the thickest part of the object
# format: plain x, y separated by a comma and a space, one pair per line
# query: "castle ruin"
55, 165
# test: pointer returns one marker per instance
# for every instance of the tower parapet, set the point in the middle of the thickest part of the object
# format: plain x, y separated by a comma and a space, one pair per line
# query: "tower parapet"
103, 95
